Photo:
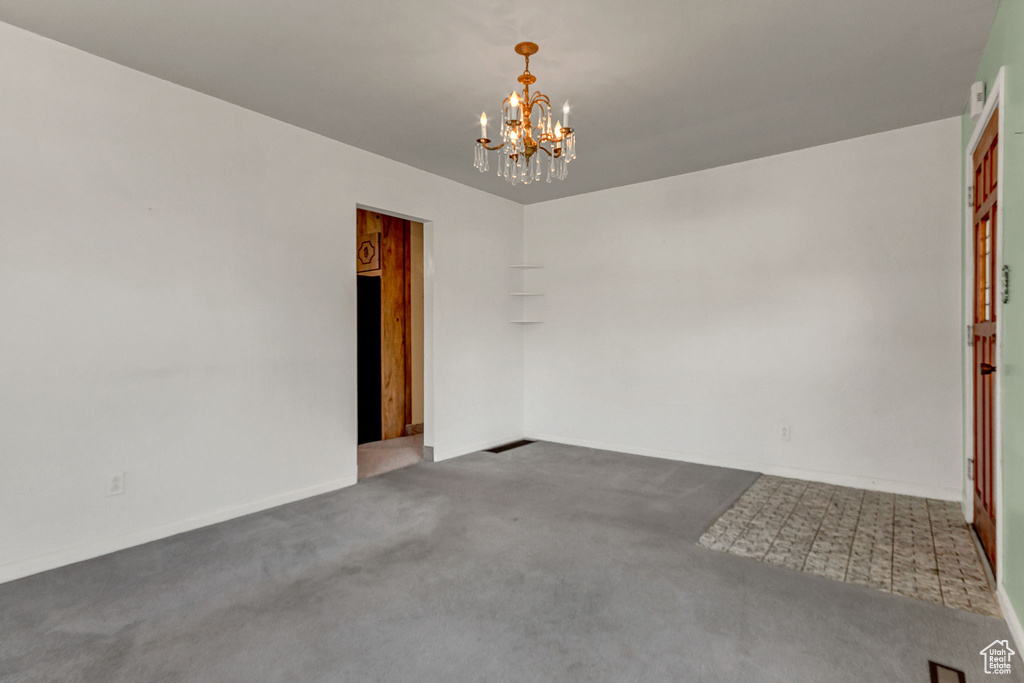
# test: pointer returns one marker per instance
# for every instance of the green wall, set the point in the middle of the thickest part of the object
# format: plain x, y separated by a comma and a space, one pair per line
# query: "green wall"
1006, 48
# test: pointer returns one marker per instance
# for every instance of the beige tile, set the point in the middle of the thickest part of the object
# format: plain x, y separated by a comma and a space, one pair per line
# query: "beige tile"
915, 547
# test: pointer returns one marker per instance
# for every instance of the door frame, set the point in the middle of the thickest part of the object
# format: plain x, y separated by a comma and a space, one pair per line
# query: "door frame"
995, 99
429, 435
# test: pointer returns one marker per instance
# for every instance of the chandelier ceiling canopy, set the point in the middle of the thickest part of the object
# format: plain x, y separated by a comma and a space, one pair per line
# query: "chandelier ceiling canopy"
527, 128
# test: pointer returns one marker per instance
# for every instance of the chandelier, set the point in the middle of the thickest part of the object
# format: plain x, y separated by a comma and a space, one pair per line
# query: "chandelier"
521, 137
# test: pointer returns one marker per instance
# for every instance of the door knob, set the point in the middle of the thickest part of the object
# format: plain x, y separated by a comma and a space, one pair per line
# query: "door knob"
987, 369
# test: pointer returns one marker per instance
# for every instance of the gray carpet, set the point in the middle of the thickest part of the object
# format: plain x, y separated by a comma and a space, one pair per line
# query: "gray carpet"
542, 563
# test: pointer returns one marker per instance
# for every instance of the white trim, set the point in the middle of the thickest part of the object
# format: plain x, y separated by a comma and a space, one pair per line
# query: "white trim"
870, 483
428, 323
104, 546
1012, 620
428, 333
996, 99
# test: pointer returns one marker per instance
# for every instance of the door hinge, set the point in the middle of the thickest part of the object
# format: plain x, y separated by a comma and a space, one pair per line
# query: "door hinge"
970, 469
970, 335
970, 196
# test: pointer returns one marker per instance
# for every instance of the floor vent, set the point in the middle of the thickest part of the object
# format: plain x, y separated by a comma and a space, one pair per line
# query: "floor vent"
508, 446
944, 674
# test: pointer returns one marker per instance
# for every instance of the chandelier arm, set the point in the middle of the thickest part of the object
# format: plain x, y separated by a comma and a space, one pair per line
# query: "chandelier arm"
497, 146
543, 149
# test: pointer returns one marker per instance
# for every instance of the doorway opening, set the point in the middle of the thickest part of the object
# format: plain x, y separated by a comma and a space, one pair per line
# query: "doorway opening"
389, 324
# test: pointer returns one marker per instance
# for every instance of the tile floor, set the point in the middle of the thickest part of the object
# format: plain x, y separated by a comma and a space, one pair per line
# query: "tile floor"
916, 547
378, 457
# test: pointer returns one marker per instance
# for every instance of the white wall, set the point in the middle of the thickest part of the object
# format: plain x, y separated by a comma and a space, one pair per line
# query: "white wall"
691, 317
177, 297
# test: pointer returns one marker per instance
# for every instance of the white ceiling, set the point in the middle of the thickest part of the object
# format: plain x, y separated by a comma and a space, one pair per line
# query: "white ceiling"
658, 87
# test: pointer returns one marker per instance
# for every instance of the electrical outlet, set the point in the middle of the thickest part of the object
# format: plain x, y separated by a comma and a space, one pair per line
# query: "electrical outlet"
784, 432
115, 484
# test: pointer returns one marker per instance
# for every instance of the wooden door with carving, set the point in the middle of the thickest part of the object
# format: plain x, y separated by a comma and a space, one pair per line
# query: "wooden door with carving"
984, 333
383, 253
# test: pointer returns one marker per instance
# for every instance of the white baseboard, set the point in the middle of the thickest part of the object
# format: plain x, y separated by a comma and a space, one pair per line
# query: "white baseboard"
1012, 620
103, 546
872, 484
450, 453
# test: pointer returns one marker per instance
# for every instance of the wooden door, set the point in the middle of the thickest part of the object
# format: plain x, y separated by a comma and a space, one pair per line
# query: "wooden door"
984, 334
383, 253
394, 322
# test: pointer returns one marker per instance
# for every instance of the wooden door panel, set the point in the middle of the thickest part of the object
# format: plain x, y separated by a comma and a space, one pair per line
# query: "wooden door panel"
391, 236
368, 232
984, 333
393, 316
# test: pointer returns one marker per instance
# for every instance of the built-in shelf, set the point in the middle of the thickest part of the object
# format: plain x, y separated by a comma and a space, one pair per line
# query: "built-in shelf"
526, 312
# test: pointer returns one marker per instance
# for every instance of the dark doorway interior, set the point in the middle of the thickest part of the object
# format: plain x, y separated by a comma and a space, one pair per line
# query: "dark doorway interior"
368, 355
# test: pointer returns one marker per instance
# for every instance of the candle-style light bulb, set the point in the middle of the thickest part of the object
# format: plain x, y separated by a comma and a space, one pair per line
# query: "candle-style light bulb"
565, 113
483, 124
558, 130
514, 105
